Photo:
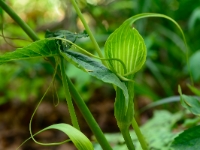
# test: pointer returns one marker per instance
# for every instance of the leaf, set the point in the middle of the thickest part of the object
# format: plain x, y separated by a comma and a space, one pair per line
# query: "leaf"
188, 140
190, 103
78, 138
95, 69
65, 34
195, 65
194, 18
41, 48
194, 90
157, 131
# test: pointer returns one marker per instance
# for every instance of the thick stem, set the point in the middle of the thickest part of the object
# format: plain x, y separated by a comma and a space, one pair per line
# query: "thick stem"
124, 117
17, 19
127, 138
88, 117
139, 135
68, 96
87, 28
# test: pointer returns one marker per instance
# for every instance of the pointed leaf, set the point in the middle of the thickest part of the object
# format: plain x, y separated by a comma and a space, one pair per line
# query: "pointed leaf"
41, 48
95, 69
188, 140
78, 138
190, 103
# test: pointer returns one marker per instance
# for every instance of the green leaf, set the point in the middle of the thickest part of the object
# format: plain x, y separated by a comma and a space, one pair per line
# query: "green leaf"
190, 103
194, 90
157, 131
78, 138
41, 48
65, 34
195, 65
188, 140
95, 69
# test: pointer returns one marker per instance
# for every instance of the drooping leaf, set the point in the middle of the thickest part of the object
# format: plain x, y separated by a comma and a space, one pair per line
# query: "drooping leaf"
78, 138
65, 34
190, 103
95, 69
188, 140
41, 48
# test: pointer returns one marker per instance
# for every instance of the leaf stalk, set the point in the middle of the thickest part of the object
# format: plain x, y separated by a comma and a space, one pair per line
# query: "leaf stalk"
68, 96
18, 20
96, 46
139, 135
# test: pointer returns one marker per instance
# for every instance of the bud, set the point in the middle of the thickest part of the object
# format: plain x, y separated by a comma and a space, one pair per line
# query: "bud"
126, 44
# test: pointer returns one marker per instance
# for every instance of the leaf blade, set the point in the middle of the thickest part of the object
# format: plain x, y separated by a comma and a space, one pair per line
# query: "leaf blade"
41, 48
95, 69
187, 140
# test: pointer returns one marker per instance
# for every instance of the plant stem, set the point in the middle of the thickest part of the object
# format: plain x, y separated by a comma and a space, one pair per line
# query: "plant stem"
68, 96
80, 103
127, 139
87, 28
88, 117
17, 19
139, 135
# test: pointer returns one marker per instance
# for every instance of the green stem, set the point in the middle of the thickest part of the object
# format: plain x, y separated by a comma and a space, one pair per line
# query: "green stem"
139, 135
80, 103
17, 19
87, 28
127, 138
68, 96
88, 117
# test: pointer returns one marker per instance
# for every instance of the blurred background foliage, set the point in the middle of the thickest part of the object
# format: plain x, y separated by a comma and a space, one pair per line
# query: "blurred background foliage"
166, 65
22, 83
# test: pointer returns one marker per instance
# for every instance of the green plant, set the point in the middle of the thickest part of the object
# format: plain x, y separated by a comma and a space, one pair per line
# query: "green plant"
125, 54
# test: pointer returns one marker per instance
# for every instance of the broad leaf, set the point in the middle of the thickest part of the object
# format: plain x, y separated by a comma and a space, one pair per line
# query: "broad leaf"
157, 131
95, 69
188, 140
191, 103
41, 48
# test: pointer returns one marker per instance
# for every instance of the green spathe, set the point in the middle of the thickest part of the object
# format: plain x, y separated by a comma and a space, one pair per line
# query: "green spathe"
127, 44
